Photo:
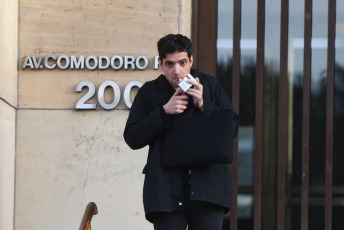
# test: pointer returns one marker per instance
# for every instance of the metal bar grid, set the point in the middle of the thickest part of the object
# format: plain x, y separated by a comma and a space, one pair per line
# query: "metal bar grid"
235, 100
282, 117
259, 115
206, 36
330, 112
306, 114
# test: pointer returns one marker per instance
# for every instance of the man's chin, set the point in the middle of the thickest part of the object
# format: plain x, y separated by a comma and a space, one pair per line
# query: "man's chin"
175, 83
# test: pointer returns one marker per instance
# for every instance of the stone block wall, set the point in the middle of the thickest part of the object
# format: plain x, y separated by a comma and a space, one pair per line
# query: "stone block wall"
67, 157
8, 104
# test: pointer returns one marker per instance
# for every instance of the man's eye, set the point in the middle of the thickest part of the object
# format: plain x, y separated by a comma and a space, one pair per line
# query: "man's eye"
183, 62
169, 64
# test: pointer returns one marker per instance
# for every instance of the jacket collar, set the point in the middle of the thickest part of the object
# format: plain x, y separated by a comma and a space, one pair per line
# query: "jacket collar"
165, 87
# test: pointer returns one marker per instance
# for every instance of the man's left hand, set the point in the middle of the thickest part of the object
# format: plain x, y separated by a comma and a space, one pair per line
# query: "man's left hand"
197, 93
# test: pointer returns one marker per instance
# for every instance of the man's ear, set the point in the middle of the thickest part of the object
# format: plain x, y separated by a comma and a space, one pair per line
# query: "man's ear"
191, 60
160, 63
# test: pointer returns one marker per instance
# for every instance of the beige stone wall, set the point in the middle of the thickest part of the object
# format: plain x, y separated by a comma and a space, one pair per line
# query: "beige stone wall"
91, 28
9, 51
8, 103
67, 157
7, 163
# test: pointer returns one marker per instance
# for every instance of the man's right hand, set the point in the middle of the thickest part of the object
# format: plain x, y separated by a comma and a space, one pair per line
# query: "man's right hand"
176, 104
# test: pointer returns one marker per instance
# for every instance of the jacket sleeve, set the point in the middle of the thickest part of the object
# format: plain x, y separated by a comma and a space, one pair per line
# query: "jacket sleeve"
144, 123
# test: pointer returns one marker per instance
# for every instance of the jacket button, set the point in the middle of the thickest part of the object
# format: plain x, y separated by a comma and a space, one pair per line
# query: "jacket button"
192, 193
180, 203
189, 171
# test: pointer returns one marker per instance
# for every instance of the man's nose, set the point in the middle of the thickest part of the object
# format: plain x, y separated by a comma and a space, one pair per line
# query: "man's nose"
176, 70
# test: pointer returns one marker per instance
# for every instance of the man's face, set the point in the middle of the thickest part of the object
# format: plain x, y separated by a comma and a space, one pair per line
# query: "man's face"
175, 67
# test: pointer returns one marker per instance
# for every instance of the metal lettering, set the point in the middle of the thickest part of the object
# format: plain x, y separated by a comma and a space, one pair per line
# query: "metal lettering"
46, 61
59, 60
127, 91
145, 60
28, 62
95, 60
77, 63
129, 60
37, 63
107, 61
156, 62
113, 59
116, 95
92, 62
91, 91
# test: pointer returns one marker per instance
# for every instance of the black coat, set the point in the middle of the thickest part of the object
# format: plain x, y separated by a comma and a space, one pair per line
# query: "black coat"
147, 121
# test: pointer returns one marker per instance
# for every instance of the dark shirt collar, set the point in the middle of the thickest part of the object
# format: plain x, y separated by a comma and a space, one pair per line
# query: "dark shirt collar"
165, 86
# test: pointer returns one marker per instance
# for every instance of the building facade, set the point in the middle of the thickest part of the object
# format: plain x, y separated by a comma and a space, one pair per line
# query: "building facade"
56, 156
69, 71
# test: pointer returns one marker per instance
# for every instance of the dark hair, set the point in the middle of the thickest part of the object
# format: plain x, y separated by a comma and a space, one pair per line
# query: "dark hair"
174, 43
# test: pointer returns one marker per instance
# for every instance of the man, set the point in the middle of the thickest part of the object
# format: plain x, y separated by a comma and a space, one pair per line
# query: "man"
175, 198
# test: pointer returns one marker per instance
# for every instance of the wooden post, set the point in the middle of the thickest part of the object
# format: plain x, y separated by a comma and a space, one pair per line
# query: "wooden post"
91, 209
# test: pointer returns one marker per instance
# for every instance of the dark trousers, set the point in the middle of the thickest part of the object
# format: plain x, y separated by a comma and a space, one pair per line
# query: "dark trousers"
197, 215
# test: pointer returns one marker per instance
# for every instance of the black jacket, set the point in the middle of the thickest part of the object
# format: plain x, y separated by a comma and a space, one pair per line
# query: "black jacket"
147, 121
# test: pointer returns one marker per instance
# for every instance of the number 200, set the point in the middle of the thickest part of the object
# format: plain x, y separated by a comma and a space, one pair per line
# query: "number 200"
81, 104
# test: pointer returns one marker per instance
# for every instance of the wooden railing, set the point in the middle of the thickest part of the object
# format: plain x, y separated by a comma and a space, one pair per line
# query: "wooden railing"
91, 209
